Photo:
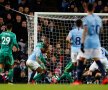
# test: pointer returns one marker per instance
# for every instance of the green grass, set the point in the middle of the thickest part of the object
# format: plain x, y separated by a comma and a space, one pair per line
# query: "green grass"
52, 87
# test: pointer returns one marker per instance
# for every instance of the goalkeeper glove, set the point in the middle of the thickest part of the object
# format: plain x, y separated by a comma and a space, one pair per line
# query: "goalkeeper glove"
82, 47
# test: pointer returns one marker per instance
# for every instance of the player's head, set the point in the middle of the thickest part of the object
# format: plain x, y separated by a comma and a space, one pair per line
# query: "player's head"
90, 7
78, 23
9, 27
46, 41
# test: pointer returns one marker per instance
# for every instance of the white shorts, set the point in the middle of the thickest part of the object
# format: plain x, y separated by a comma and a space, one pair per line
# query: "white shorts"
33, 65
94, 66
91, 53
74, 57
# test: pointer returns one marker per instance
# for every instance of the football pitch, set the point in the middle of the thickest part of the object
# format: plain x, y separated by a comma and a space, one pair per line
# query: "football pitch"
52, 87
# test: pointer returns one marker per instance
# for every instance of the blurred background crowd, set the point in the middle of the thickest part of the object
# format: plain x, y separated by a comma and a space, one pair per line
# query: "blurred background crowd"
59, 56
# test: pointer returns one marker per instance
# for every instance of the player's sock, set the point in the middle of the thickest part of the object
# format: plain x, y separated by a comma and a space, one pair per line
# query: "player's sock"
37, 76
10, 75
68, 76
0, 69
101, 67
75, 68
79, 70
31, 77
84, 67
88, 78
63, 76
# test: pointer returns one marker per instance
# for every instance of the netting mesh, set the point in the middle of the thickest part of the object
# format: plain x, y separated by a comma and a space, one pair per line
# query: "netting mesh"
56, 28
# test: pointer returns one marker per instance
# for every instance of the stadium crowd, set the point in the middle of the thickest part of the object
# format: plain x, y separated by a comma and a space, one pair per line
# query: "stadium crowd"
59, 57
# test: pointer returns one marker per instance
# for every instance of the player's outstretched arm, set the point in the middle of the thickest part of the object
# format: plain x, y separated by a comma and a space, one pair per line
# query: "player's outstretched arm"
68, 39
39, 61
84, 35
83, 39
15, 43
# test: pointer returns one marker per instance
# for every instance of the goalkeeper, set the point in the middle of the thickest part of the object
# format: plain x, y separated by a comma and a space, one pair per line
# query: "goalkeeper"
66, 73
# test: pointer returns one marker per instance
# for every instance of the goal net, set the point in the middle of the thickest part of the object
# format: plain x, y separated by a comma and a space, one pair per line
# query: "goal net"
56, 27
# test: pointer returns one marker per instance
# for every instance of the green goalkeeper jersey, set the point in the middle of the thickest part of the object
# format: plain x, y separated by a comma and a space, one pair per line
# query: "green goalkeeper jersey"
8, 39
40, 44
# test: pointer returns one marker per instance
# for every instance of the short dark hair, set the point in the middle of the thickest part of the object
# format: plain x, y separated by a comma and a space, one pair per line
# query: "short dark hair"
9, 26
78, 23
90, 7
46, 39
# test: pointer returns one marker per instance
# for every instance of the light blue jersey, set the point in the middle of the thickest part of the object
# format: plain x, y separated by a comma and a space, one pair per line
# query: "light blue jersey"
93, 23
36, 53
76, 36
104, 52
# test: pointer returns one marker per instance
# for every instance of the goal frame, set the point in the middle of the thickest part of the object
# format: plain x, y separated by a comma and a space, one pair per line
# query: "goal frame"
58, 14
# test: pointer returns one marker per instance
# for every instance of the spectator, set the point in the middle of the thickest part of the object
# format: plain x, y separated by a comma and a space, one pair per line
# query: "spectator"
49, 78
9, 18
76, 10
16, 74
23, 78
6, 76
22, 45
23, 31
31, 13
21, 9
99, 6
50, 49
39, 29
59, 67
3, 28
71, 8
1, 21
53, 33
26, 10
105, 10
23, 3
17, 26
45, 25
53, 63
56, 75
41, 21
66, 57
37, 6
7, 9
58, 52
64, 5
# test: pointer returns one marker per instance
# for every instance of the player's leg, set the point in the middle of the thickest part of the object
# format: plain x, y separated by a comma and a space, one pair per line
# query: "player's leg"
74, 58
10, 74
31, 77
10, 62
35, 67
92, 68
39, 75
80, 67
66, 74
1, 67
96, 56
69, 68
2, 62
